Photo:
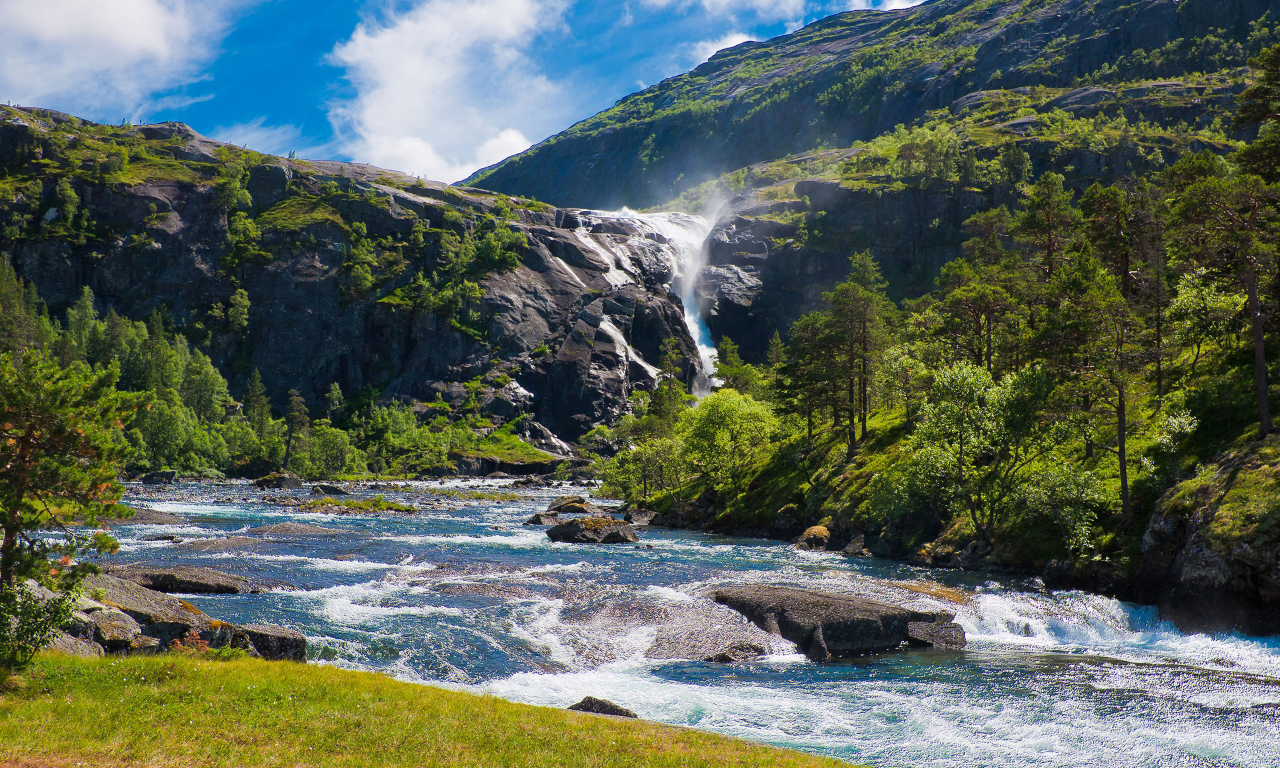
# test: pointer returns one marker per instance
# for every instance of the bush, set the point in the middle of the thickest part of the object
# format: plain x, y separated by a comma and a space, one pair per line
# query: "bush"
28, 622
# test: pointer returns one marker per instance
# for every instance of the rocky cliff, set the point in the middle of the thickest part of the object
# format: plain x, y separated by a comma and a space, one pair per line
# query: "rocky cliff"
375, 280
856, 75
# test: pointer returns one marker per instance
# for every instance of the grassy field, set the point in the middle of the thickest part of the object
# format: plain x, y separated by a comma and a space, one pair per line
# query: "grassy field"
183, 711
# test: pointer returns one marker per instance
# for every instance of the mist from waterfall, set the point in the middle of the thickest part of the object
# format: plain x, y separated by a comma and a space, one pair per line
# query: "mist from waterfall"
686, 234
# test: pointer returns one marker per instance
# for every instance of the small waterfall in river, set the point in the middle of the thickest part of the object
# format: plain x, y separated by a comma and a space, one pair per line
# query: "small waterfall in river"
686, 236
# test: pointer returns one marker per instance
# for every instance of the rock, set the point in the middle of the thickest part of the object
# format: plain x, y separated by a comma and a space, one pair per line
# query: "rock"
73, 646
185, 579
277, 643
159, 616
602, 707
279, 480
942, 635
640, 516
543, 518
856, 547
324, 489
293, 529
737, 653
144, 516
165, 477
594, 530
814, 538
114, 630
229, 544
823, 625
163, 537
574, 505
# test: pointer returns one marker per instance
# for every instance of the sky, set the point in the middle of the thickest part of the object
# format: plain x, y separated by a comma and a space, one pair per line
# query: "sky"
437, 88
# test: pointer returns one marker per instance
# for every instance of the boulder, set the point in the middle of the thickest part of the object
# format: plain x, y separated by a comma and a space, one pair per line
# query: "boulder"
814, 538
324, 489
942, 635
857, 547
640, 516
186, 579
826, 626
594, 530
293, 529
229, 544
165, 477
543, 518
159, 616
737, 653
574, 505
279, 480
602, 707
277, 643
114, 630
68, 645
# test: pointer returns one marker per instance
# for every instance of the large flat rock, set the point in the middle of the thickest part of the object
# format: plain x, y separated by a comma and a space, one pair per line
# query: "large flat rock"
186, 579
826, 626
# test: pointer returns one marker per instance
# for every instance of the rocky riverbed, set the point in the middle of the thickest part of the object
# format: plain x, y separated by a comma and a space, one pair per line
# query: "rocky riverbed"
675, 628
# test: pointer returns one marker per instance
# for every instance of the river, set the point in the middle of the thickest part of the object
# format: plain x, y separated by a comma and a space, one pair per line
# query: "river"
465, 596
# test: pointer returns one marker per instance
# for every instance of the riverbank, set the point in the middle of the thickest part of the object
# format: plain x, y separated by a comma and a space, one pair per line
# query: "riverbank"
188, 711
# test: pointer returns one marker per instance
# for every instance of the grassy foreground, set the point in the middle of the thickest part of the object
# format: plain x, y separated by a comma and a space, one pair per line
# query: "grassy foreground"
181, 711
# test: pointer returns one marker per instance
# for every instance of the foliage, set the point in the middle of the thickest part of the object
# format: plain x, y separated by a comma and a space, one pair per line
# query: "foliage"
724, 436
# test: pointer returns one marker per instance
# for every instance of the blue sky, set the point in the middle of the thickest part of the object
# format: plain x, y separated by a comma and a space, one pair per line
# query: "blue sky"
432, 87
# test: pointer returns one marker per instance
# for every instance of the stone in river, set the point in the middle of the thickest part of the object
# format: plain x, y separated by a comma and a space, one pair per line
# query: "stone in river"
594, 530
229, 544
165, 477
324, 489
543, 518
601, 707
640, 516
826, 626
186, 579
279, 480
293, 529
942, 635
737, 653
574, 505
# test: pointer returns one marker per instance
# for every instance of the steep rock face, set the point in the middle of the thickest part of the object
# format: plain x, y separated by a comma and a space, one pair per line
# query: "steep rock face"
1211, 553
851, 77
565, 335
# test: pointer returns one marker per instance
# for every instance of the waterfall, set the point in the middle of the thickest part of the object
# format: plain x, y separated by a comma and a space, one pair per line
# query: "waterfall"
686, 237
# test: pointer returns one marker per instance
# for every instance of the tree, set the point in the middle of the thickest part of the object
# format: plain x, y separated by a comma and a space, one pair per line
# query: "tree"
298, 420
1015, 164
777, 354
979, 442
858, 328
1228, 225
61, 443
257, 409
725, 435
733, 372
806, 380
1260, 105
238, 311
1046, 222
333, 400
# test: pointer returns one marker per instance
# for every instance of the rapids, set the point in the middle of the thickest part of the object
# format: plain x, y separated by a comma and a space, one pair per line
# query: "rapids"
463, 595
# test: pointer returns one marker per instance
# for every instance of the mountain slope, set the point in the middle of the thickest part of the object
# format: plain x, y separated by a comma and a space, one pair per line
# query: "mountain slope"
854, 76
318, 273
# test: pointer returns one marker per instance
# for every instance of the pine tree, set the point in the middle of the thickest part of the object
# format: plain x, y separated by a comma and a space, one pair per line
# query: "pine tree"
298, 421
257, 409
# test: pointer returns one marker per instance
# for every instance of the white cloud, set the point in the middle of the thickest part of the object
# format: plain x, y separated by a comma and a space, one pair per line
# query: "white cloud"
446, 86
106, 59
765, 9
270, 139
700, 52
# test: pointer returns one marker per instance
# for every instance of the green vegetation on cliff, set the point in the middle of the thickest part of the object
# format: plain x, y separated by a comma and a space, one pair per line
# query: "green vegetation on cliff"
176, 710
1086, 354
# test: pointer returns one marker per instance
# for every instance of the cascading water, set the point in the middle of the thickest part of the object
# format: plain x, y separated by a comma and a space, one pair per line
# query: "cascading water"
686, 237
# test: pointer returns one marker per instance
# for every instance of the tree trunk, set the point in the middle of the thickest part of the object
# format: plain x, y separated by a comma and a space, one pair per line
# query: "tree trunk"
1259, 351
288, 448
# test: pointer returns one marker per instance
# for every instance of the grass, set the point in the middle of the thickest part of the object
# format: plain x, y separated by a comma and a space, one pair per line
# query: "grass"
376, 504
294, 214
453, 493
182, 711
504, 446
